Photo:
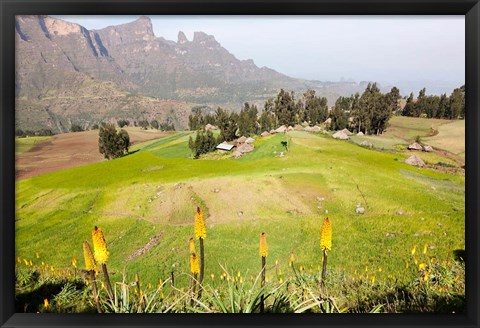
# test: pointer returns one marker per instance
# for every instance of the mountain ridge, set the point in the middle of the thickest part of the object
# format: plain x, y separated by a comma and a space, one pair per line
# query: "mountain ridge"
57, 59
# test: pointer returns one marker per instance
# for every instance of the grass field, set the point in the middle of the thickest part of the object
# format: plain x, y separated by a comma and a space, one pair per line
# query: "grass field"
23, 145
154, 192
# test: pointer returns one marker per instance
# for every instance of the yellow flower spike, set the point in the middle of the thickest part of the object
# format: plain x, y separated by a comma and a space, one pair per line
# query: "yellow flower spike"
432, 260
292, 259
19, 260
366, 268
25, 261
422, 266
318, 267
276, 262
162, 296
425, 278
263, 245
280, 280
310, 270
45, 303
280, 272
74, 262
86, 283
414, 249
37, 255
194, 264
192, 246
103, 285
238, 274
425, 249
30, 263
266, 279
212, 276
379, 269
326, 235
88, 256
416, 261
373, 280
241, 280
199, 225
100, 251
52, 268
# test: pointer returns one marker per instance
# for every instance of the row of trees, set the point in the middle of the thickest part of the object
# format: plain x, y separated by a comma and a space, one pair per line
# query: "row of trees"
145, 124
369, 113
449, 107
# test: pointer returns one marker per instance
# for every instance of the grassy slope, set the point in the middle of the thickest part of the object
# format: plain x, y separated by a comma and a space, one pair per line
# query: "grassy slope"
451, 137
152, 193
23, 145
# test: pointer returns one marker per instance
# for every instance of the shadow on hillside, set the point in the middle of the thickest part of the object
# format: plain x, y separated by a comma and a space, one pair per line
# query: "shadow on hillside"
405, 301
459, 255
131, 152
32, 301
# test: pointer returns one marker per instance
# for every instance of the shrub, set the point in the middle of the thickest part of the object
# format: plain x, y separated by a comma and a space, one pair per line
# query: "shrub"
112, 144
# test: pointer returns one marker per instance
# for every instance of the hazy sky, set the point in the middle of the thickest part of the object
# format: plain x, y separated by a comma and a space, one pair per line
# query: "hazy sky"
376, 48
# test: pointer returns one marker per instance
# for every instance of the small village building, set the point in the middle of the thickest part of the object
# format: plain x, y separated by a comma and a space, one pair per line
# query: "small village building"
224, 146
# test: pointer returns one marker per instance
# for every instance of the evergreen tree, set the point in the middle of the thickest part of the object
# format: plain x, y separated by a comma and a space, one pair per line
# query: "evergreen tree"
409, 108
247, 120
338, 115
457, 103
112, 144
285, 108
316, 108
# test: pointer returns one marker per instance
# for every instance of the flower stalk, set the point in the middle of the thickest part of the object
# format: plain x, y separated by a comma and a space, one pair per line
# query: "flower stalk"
101, 256
200, 231
325, 246
263, 254
91, 268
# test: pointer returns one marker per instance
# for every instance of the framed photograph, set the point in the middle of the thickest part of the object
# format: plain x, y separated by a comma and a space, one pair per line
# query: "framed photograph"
244, 163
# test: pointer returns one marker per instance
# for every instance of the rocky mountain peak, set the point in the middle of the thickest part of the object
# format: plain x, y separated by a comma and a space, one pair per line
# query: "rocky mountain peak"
203, 38
182, 38
144, 23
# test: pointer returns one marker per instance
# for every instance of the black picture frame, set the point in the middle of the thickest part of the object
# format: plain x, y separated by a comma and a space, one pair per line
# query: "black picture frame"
10, 8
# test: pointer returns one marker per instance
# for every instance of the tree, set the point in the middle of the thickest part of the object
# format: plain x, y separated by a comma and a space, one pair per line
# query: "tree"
204, 142
443, 106
112, 144
285, 108
76, 128
457, 103
227, 123
247, 120
409, 108
121, 123
154, 124
394, 100
338, 115
124, 140
315, 108
143, 124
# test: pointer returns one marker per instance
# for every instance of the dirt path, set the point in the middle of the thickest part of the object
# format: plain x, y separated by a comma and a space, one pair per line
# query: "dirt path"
69, 150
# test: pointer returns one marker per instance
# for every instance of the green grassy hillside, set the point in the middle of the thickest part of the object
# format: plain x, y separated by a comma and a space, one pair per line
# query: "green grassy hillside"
154, 192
